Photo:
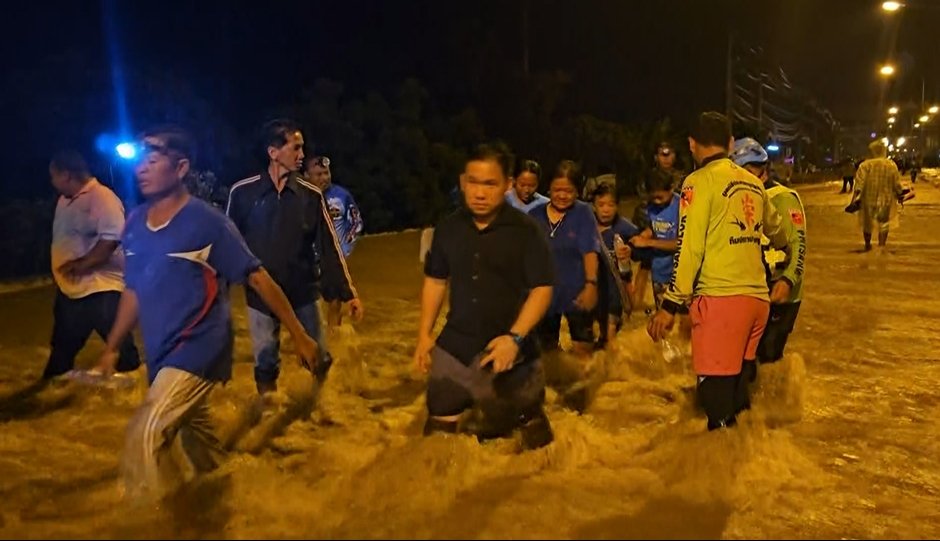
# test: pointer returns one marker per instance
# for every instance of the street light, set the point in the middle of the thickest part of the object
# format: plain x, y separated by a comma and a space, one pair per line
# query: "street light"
887, 70
893, 111
924, 118
891, 120
917, 125
934, 110
901, 141
891, 6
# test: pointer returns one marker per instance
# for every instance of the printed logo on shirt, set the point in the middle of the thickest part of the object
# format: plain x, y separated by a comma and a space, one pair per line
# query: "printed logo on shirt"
662, 227
747, 206
688, 192
796, 217
335, 207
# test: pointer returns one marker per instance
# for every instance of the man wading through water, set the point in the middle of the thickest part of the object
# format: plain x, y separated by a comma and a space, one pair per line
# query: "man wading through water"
719, 267
499, 268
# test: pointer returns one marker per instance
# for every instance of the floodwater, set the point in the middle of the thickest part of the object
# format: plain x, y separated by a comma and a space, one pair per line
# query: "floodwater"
843, 440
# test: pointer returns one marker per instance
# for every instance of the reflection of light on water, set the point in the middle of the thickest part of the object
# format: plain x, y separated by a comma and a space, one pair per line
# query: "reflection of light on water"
670, 351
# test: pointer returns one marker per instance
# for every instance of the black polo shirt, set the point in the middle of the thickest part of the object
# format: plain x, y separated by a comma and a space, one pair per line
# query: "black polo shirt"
491, 272
292, 234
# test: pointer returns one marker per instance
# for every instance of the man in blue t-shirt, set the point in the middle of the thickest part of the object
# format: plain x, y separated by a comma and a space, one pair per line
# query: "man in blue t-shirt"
657, 243
181, 254
347, 222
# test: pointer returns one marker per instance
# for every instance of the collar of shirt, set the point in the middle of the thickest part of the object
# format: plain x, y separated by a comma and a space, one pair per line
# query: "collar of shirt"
92, 183
268, 184
714, 158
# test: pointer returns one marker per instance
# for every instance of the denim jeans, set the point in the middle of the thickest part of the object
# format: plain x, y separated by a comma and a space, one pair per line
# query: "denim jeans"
266, 342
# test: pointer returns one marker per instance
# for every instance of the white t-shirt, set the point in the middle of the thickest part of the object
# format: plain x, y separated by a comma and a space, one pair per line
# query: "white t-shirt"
95, 213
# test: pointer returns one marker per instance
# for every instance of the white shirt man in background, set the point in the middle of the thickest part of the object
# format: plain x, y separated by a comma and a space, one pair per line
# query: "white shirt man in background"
86, 265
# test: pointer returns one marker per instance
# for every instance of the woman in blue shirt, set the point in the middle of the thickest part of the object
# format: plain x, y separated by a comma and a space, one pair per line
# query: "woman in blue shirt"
524, 193
611, 225
572, 233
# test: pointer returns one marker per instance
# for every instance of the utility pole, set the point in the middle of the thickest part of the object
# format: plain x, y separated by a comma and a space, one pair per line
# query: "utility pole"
525, 38
729, 78
760, 106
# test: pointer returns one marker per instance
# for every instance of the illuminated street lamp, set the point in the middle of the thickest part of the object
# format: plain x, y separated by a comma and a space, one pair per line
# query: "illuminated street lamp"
934, 110
887, 70
901, 141
891, 120
893, 111
924, 118
917, 125
891, 6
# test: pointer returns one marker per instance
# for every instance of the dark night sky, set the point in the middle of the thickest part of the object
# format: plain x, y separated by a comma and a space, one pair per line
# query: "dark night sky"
631, 60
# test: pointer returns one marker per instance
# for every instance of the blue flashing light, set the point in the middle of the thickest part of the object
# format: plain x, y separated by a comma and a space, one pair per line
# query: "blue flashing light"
773, 148
126, 151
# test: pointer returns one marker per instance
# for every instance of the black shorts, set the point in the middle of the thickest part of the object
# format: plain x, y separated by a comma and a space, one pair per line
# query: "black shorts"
580, 327
779, 326
454, 387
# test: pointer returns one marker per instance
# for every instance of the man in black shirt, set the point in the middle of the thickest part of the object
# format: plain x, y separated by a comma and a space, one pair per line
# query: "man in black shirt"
500, 271
285, 222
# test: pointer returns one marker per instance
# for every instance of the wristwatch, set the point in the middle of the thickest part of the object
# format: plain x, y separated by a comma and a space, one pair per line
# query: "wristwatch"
517, 338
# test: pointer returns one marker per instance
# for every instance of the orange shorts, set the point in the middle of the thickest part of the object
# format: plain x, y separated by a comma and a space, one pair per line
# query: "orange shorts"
725, 331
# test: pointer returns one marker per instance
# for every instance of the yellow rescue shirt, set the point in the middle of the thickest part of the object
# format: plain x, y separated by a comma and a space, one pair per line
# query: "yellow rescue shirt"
723, 213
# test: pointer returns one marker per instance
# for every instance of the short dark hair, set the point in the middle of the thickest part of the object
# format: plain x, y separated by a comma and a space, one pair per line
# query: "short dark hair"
711, 129
570, 170
529, 166
496, 151
603, 190
177, 140
274, 132
660, 181
72, 162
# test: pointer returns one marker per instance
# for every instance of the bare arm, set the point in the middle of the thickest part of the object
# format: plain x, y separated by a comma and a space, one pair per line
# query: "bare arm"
591, 263
587, 299
432, 299
95, 257
273, 296
663, 244
536, 304
124, 321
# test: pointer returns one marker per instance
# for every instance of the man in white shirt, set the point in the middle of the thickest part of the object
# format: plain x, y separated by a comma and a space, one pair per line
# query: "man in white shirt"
87, 268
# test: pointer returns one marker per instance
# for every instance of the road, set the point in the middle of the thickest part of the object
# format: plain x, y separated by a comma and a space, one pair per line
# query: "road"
843, 440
